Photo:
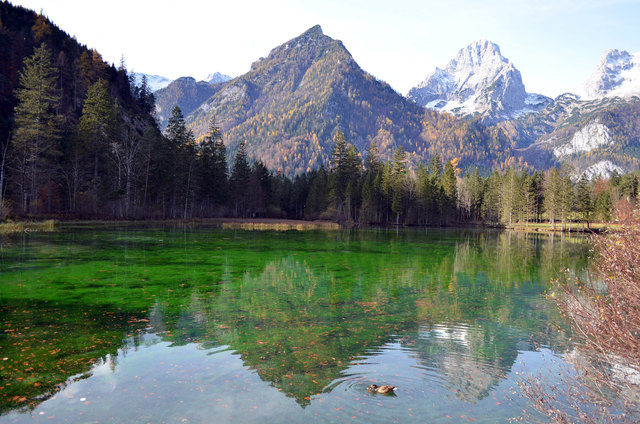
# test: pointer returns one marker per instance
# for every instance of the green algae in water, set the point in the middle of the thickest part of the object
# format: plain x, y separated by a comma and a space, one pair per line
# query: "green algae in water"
304, 320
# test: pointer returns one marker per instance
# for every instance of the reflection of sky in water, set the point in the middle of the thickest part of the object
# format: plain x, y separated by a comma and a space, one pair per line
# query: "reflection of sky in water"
155, 382
297, 334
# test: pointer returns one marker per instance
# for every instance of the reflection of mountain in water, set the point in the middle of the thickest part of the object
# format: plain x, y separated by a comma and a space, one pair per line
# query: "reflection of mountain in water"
300, 329
464, 303
471, 359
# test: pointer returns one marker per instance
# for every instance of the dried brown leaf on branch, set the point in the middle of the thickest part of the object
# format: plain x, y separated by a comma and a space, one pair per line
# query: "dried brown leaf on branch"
601, 383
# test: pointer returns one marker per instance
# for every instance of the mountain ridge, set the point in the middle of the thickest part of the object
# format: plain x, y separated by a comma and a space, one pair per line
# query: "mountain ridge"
288, 106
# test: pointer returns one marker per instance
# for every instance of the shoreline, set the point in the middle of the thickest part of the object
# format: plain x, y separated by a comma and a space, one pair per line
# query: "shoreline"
278, 224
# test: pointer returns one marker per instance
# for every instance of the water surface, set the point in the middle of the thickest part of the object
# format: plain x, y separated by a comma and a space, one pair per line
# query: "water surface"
180, 324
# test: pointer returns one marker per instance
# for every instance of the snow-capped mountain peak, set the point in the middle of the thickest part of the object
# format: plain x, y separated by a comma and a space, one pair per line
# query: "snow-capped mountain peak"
478, 80
217, 77
617, 75
154, 82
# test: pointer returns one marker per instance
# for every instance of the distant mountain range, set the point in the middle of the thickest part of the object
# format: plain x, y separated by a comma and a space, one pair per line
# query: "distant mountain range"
154, 82
157, 82
289, 105
594, 130
186, 93
476, 108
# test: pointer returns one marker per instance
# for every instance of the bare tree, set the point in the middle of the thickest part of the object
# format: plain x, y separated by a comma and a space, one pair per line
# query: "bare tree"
603, 383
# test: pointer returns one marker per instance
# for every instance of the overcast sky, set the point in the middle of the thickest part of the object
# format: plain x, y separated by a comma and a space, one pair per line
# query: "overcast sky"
554, 43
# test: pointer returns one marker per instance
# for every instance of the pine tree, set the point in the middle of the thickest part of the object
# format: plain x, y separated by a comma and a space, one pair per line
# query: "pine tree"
338, 177
316, 202
212, 169
96, 130
583, 203
36, 135
399, 184
449, 183
240, 176
182, 146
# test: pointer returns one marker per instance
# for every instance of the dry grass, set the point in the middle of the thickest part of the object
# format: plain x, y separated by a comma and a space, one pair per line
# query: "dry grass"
26, 226
279, 225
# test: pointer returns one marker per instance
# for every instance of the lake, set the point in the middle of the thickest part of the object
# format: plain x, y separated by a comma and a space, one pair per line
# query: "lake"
175, 324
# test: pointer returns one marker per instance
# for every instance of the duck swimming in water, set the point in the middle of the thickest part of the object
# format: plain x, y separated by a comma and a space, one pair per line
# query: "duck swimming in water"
386, 389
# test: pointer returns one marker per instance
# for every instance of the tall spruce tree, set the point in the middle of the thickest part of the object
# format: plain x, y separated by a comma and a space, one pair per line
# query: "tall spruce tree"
240, 176
212, 170
97, 130
37, 126
182, 146
399, 178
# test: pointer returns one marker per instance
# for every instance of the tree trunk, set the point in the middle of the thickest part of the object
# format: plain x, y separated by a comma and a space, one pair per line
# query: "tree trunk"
3, 160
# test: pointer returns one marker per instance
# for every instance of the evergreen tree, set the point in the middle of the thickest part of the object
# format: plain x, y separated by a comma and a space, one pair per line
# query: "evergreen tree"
182, 146
476, 188
239, 181
212, 170
36, 134
339, 176
353, 169
449, 185
399, 184
583, 203
372, 186
96, 130
316, 202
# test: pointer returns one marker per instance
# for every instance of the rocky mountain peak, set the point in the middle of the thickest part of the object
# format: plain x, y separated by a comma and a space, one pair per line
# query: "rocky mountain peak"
617, 75
478, 80
216, 78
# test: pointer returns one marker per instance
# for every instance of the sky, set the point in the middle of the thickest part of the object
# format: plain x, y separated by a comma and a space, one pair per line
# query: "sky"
555, 44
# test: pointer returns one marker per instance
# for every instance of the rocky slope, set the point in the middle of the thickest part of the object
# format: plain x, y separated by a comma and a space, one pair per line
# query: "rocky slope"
596, 130
186, 93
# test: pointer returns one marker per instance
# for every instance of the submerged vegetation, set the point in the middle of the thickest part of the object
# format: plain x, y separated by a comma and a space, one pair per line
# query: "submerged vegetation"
300, 309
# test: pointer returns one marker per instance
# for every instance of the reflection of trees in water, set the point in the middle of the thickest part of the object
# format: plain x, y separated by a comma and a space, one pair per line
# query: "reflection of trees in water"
300, 327
299, 323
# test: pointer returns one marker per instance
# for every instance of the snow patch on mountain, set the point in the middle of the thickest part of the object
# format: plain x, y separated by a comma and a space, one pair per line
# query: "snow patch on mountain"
154, 82
478, 80
592, 136
217, 77
617, 75
604, 168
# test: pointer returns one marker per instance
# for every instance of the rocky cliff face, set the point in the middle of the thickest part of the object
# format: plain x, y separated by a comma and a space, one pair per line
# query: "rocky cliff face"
479, 80
617, 75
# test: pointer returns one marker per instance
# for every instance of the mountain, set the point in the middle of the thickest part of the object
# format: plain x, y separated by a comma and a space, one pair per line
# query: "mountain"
186, 93
216, 78
479, 80
617, 75
289, 104
595, 130
154, 82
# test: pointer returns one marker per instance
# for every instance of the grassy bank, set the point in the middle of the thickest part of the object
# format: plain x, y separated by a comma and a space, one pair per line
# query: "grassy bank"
26, 226
258, 224
597, 227
278, 224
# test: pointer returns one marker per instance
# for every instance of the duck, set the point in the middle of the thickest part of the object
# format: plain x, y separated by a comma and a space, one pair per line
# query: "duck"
386, 389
